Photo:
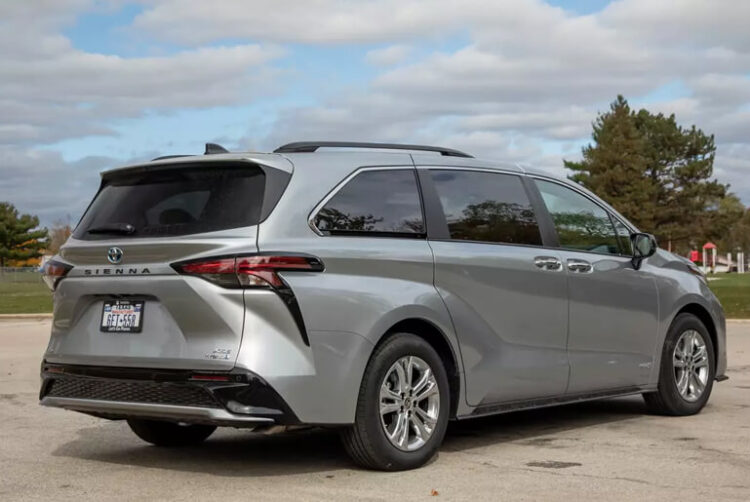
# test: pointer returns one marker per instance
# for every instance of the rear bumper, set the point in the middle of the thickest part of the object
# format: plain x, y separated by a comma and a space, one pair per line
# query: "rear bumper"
236, 398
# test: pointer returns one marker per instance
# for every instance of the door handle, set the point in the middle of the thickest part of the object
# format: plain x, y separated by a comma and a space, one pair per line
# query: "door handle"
548, 263
579, 266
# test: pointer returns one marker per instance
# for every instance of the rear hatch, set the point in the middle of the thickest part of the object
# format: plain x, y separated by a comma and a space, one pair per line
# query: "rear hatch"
123, 303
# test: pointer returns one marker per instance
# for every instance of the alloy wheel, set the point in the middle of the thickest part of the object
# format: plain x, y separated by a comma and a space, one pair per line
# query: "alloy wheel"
409, 403
690, 362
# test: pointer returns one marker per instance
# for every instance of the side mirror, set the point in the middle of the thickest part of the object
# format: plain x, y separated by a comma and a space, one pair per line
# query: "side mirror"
644, 245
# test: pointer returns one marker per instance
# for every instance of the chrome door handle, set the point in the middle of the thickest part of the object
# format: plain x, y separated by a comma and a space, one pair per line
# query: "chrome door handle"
548, 263
579, 266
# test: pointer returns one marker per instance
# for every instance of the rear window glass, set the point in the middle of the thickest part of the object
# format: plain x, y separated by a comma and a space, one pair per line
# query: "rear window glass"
175, 202
383, 201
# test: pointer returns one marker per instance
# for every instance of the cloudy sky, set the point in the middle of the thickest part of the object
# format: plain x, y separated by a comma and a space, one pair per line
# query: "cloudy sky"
88, 85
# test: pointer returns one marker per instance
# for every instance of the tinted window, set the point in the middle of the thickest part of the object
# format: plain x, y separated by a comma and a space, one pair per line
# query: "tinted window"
488, 207
385, 201
580, 223
175, 202
623, 233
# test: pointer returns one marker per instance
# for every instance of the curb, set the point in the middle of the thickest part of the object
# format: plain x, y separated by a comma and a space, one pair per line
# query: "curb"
37, 317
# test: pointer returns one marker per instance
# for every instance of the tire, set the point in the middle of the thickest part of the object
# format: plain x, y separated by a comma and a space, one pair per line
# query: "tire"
668, 398
172, 434
366, 441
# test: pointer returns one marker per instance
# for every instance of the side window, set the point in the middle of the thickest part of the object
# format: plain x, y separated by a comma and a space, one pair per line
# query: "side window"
383, 201
487, 207
623, 234
580, 223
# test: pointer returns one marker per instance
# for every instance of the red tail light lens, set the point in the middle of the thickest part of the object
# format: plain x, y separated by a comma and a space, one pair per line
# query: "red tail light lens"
53, 271
249, 271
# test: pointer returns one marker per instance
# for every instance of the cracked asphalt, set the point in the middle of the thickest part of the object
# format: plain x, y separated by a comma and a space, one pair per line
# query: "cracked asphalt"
607, 450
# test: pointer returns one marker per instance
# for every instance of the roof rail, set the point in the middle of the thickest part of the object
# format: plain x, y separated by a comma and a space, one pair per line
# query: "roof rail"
311, 146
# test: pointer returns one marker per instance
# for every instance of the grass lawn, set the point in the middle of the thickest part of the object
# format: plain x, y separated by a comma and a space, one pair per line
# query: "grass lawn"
733, 291
31, 297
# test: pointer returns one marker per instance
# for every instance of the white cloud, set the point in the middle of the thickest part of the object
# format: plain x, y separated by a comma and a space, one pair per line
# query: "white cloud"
388, 56
525, 84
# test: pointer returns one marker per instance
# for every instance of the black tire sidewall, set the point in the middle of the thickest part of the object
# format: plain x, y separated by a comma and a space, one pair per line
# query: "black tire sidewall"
396, 347
667, 385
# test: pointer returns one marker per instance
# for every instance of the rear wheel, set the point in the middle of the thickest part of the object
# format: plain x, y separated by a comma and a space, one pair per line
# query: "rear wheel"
687, 369
403, 406
169, 433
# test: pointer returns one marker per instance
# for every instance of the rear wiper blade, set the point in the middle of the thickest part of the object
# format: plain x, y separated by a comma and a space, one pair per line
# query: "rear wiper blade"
113, 228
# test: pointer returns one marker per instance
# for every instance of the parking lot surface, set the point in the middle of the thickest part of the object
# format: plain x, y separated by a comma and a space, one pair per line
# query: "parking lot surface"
607, 450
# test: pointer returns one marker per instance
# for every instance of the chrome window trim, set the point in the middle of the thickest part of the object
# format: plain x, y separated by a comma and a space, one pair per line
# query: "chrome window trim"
320, 205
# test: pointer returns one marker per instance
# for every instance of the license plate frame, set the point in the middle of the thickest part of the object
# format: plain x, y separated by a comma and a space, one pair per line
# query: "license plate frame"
122, 324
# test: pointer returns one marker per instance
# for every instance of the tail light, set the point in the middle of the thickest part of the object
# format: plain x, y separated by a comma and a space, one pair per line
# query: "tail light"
249, 271
53, 271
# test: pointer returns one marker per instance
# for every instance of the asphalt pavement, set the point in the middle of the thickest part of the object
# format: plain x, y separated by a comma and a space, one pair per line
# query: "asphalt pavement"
607, 450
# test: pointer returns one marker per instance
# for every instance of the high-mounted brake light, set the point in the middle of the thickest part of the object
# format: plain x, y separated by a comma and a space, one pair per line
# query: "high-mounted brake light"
249, 271
53, 271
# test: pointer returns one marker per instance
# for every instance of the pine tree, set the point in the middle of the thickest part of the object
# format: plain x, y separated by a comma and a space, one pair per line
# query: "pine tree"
20, 237
657, 174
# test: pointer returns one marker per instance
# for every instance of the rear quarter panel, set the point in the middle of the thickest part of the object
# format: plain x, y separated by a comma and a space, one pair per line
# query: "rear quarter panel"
369, 284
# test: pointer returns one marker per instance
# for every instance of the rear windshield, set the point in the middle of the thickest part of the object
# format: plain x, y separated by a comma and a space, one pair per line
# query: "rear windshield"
175, 202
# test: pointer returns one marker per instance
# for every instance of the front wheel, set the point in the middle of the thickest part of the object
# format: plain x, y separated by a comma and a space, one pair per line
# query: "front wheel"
169, 433
687, 369
403, 407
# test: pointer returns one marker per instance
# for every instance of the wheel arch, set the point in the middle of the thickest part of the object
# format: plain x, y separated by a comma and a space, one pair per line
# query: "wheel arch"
431, 334
704, 316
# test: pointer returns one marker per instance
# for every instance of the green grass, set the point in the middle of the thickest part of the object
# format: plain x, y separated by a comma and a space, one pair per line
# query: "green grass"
32, 297
733, 291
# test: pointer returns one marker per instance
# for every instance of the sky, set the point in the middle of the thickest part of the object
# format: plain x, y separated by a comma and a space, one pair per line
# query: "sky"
89, 85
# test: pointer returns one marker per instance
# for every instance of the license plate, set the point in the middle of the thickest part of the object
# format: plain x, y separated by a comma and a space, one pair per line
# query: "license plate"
122, 316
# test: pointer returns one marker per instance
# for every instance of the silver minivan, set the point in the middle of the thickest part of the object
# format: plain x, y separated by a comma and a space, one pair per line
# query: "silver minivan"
380, 289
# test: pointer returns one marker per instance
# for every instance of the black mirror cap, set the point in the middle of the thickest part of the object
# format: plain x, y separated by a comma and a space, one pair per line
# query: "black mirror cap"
644, 245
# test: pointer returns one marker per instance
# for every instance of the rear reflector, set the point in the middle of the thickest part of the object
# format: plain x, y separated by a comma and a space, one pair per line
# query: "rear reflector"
249, 271
53, 271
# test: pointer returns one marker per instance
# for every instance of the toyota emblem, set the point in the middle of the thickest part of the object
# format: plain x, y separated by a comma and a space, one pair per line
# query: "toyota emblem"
114, 255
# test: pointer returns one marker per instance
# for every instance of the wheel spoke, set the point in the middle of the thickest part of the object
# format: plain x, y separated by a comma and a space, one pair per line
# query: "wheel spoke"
697, 384
389, 408
683, 382
428, 391
401, 376
423, 381
387, 393
419, 427
678, 361
426, 418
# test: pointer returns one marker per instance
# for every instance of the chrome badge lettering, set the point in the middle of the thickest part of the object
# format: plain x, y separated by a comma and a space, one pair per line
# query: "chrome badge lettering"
116, 271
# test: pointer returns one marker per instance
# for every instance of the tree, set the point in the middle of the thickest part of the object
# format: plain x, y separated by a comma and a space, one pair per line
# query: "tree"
738, 235
58, 234
657, 174
20, 237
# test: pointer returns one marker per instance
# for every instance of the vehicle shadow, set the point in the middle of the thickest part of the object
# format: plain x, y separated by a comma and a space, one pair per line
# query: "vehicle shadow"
232, 452
539, 427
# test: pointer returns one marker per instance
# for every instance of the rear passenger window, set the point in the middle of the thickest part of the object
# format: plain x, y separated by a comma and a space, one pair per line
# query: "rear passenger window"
486, 207
581, 224
384, 201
